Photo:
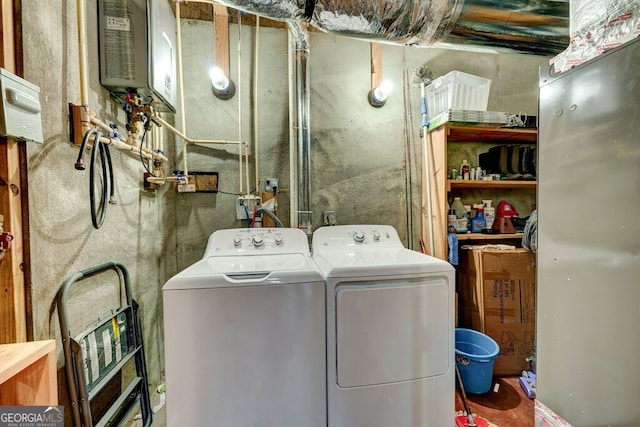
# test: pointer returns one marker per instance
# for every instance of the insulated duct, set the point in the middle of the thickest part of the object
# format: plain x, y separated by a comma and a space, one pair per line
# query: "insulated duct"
529, 26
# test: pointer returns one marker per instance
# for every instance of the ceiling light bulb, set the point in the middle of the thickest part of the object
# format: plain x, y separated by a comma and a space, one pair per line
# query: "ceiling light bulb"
382, 92
218, 79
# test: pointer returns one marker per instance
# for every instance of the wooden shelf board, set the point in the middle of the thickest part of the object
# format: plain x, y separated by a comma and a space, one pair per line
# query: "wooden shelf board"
28, 374
481, 236
16, 357
483, 133
458, 183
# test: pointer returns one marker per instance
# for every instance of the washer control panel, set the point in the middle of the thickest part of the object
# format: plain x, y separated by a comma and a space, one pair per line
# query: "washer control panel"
257, 240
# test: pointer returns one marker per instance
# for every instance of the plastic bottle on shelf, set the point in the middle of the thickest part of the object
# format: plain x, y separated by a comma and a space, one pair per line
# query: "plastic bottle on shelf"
460, 213
452, 219
478, 223
465, 170
489, 212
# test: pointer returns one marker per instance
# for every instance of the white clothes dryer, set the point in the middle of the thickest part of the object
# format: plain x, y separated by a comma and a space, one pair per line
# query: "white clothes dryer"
390, 330
245, 334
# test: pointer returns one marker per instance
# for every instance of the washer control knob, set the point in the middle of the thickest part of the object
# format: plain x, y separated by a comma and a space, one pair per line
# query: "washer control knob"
278, 239
358, 237
376, 236
237, 240
257, 240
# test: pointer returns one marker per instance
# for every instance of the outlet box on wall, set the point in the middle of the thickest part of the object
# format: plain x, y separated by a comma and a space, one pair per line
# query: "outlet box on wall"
250, 202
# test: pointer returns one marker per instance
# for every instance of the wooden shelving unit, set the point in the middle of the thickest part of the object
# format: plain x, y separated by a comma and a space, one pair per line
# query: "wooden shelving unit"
451, 184
437, 152
482, 133
28, 374
481, 236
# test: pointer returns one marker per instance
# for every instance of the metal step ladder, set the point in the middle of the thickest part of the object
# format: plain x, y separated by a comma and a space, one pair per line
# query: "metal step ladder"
97, 355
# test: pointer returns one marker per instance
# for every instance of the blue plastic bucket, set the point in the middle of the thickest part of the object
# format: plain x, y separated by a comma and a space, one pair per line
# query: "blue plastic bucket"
476, 354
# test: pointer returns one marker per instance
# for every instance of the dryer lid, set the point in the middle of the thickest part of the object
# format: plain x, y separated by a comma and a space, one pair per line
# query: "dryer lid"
365, 250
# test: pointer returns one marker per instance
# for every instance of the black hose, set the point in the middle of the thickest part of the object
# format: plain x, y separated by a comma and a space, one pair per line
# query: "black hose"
79, 165
112, 187
99, 211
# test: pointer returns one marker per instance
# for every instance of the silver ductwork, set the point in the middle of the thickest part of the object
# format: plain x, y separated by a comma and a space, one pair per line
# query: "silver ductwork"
529, 26
300, 105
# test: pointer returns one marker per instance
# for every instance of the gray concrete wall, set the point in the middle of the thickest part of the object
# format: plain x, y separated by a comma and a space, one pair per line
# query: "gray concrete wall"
137, 232
358, 154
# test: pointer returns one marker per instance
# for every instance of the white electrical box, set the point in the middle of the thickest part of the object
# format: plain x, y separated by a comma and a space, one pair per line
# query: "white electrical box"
137, 41
20, 116
245, 205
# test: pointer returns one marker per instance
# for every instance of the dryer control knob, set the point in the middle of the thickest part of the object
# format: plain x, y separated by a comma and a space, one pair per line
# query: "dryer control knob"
278, 239
237, 240
376, 236
257, 241
358, 236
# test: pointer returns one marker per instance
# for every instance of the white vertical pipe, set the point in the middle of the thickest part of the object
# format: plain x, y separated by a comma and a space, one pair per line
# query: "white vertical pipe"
246, 162
82, 52
255, 103
240, 165
183, 120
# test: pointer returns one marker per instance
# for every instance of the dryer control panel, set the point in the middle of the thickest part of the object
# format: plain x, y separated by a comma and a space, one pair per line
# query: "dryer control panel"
356, 235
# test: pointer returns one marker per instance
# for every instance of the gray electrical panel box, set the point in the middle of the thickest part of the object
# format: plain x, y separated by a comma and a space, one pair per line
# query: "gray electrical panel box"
20, 116
137, 40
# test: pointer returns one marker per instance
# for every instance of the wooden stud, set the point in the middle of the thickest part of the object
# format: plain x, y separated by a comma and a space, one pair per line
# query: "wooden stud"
13, 313
221, 27
376, 65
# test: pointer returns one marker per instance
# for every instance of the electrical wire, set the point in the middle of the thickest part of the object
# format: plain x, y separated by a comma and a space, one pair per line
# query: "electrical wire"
246, 211
144, 134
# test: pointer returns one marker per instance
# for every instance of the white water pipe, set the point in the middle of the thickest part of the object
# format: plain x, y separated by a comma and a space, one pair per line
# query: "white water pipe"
255, 102
180, 86
239, 86
243, 163
120, 145
82, 52
184, 137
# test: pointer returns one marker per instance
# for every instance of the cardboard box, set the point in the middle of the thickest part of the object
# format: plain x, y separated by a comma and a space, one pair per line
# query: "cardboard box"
496, 291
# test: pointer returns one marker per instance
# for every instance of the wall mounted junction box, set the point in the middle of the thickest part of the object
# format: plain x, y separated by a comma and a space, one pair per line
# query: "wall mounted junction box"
249, 202
20, 114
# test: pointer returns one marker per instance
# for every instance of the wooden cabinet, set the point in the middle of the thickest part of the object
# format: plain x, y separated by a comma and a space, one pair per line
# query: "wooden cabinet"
28, 374
442, 144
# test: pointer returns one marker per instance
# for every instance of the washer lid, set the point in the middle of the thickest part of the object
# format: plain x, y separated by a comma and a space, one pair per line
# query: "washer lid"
237, 270
366, 250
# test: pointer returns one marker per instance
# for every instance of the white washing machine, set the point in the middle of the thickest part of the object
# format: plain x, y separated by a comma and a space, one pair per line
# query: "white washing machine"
390, 330
245, 334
